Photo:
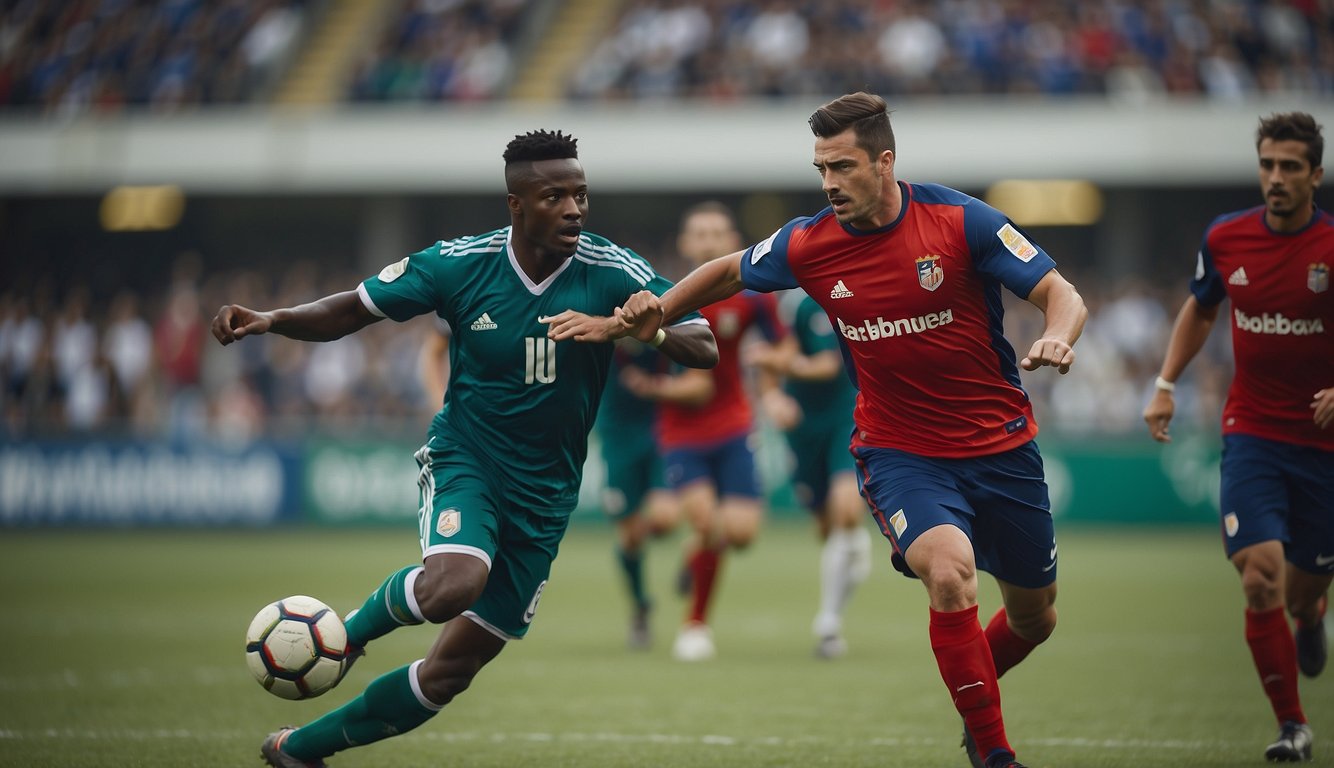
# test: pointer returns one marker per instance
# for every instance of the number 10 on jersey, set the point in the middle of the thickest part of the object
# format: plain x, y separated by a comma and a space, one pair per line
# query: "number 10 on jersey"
539, 360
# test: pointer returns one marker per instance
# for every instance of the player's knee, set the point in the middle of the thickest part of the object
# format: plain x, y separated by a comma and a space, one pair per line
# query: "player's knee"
1035, 627
442, 598
1261, 587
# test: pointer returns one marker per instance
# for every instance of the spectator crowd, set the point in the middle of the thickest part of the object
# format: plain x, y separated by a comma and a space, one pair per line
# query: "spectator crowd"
106, 55
145, 363
727, 49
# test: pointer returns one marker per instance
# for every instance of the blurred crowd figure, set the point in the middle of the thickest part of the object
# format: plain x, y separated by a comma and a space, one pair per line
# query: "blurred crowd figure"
69, 57
138, 363
726, 49
141, 364
442, 50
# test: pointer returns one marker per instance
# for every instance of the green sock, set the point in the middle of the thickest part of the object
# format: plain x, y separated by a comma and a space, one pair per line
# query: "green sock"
632, 563
386, 708
389, 607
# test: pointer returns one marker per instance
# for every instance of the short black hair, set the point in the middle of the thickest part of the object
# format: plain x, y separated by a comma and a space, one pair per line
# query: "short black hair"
1294, 126
865, 113
541, 145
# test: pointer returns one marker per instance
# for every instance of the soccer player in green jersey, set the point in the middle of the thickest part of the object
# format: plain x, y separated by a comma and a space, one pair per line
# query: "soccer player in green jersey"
636, 498
816, 417
501, 468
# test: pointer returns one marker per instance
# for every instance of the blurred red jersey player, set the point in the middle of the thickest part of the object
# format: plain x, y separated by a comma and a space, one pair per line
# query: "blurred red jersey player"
1273, 263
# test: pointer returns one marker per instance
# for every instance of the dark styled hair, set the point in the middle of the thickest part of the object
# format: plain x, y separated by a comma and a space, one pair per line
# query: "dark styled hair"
1293, 126
865, 113
541, 145
709, 206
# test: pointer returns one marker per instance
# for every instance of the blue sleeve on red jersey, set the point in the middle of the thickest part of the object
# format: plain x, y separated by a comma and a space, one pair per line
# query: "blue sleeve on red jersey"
1002, 250
765, 307
1207, 285
764, 266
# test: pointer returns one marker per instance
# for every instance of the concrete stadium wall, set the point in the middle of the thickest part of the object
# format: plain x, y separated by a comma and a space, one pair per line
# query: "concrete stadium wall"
631, 147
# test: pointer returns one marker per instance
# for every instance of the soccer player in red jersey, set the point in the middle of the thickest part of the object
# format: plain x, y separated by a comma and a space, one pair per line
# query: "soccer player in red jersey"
704, 428
911, 277
1273, 262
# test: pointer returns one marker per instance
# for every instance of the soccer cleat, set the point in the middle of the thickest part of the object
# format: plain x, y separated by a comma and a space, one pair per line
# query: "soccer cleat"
831, 647
970, 749
640, 639
1293, 744
273, 754
693, 643
1312, 645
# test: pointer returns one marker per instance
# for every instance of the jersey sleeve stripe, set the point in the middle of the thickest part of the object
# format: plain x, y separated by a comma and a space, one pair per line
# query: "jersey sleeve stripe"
368, 302
635, 266
614, 253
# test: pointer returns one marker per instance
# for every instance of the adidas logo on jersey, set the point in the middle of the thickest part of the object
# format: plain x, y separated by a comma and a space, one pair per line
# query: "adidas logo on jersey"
840, 291
1238, 277
484, 323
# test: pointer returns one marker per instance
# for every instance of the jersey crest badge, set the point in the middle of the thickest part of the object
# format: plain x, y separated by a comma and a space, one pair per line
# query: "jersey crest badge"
762, 248
1016, 243
448, 523
929, 273
394, 271
1231, 524
1317, 277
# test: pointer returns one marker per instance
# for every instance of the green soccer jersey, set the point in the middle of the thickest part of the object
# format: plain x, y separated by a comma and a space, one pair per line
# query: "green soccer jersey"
520, 403
824, 404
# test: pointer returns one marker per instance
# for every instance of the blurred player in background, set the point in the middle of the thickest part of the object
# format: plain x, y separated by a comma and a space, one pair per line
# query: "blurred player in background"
816, 417
636, 498
1273, 262
911, 275
704, 431
500, 472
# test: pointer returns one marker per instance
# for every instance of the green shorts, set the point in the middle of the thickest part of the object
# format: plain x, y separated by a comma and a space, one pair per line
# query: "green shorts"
465, 510
633, 469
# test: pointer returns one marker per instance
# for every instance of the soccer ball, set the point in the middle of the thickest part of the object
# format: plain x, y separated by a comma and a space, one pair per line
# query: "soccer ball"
296, 647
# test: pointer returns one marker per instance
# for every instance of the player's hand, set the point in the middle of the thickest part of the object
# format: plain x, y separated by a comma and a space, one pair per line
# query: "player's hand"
1323, 406
781, 409
639, 382
235, 322
1158, 415
640, 316
1053, 352
581, 327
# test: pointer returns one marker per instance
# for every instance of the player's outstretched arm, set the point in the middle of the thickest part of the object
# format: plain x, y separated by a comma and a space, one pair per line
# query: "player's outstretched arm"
326, 319
690, 344
708, 283
1065, 312
1193, 324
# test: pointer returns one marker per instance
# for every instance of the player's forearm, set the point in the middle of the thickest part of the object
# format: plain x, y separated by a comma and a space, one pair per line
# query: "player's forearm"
691, 345
821, 366
1064, 311
705, 285
326, 319
1189, 333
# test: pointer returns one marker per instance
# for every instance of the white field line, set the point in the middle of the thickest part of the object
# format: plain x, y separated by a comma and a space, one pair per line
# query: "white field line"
712, 740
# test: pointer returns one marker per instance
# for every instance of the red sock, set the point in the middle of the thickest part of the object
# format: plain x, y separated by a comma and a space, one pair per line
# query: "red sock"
1007, 648
1270, 639
703, 570
969, 673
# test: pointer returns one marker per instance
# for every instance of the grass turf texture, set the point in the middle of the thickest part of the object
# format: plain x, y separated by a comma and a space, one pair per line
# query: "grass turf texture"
125, 649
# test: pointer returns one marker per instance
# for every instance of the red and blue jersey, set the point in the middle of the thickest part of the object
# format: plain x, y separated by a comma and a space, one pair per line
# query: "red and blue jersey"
917, 304
727, 414
1282, 321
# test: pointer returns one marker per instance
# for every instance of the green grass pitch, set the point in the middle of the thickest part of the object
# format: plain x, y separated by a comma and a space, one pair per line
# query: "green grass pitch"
124, 648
